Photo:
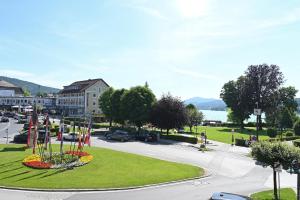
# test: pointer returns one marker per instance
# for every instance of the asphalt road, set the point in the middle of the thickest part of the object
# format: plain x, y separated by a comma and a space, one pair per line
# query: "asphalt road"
230, 169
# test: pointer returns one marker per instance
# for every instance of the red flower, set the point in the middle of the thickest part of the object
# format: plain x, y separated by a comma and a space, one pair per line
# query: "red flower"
77, 153
38, 165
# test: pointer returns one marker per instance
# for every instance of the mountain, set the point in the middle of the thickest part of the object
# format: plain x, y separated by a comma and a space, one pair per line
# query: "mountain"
206, 103
33, 88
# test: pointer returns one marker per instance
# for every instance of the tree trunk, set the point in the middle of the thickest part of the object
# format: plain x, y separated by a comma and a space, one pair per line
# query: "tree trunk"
242, 125
275, 185
191, 129
260, 123
167, 131
110, 122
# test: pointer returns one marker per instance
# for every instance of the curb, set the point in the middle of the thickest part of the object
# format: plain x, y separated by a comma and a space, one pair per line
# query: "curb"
108, 189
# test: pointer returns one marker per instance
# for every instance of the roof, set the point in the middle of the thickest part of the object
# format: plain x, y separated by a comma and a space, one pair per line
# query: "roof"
80, 86
7, 85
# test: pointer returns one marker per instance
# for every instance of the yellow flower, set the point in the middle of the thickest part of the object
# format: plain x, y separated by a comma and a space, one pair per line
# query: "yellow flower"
86, 159
32, 157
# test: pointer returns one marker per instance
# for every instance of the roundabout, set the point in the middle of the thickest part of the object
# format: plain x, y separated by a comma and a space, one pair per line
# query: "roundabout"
95, 168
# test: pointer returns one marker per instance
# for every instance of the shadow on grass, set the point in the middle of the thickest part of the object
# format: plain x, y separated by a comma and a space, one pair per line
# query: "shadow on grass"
2, 172
9, 163
245, 131
54, 173
32, 176
8, 149
14, 175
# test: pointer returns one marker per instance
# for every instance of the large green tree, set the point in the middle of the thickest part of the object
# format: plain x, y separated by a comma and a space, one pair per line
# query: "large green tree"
136, 105
236, 96
168, 113
270, 154
117, 114
194, 116
282, 112
264, 81
105, 104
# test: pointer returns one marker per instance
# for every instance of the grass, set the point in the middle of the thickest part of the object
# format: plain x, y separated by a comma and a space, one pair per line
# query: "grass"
224, 134
285, 194
108, 169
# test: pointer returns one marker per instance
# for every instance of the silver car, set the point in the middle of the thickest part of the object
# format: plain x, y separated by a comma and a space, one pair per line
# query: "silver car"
118, 135
228, 196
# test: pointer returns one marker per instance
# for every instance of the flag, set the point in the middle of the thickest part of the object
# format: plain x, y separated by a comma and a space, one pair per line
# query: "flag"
88, 136
35, 123
79, 140
46, 132
29, 130
61, 133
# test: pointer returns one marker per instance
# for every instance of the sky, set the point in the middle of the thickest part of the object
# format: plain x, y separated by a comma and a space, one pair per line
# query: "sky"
186, 47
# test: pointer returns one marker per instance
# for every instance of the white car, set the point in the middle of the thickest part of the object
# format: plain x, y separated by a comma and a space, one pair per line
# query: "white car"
70, 136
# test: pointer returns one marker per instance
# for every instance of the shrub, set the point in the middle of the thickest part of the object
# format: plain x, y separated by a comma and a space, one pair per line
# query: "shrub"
241, 142
271, 132
297, 127
288, 134
284, 139
180, 138
296, 143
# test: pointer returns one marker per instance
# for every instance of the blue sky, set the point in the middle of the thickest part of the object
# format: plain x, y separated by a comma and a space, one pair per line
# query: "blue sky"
185, 47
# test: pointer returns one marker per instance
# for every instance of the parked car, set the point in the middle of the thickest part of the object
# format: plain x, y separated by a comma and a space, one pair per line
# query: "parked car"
21, 138
146, 137
1, 113
70, 136
228, 196
9, 114
4, 119
119, 135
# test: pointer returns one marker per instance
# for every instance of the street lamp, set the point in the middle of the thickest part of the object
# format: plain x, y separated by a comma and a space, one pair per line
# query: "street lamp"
257, 112
295, 169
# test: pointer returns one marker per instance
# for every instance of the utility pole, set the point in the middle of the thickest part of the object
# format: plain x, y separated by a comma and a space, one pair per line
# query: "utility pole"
7, 136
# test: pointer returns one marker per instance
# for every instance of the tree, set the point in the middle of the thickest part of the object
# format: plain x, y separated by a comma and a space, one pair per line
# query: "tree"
235, 94
168, 113
26, 93
264, 81
269, 154
194, 116
136, 105
117, 114
282, 113
105, 104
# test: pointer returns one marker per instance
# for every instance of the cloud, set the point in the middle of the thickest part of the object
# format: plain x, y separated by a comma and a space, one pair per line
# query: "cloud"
150, 11
192, 8
15, 73
194, 74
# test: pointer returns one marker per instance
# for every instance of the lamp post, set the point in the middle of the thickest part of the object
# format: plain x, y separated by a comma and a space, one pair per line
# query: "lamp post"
295, 169
257, 112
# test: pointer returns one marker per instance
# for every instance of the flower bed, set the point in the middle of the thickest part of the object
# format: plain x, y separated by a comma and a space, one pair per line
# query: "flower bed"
68, 160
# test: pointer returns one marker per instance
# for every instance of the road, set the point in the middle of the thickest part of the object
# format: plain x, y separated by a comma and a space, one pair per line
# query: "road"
230, 169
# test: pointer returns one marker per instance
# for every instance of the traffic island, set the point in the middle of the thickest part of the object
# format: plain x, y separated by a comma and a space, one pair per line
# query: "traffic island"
108, 169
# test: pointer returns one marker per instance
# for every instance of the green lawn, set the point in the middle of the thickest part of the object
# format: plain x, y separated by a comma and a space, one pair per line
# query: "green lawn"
285, 194
108, 169
224, 134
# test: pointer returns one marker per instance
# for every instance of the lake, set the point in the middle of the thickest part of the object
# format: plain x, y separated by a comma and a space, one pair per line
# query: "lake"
220, 115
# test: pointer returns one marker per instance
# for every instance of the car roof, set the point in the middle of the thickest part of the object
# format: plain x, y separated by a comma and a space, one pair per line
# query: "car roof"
228, 196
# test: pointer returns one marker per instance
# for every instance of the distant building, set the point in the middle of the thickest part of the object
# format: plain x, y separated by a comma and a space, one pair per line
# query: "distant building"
81, 97
7, 102
9, 90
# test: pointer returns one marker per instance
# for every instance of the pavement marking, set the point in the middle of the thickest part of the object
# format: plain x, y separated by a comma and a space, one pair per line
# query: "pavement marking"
8, 125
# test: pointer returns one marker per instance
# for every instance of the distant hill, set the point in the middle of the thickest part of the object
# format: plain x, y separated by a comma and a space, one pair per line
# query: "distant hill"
206, 103
33, 88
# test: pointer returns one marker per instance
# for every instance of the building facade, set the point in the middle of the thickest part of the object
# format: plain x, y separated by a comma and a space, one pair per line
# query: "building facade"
6, 102
81, 97
9, 90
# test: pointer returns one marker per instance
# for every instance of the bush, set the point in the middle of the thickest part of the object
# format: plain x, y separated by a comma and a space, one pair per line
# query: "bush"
180, 138
297, 127
241, 142
284, 139
288, 134
271, 132
296, 143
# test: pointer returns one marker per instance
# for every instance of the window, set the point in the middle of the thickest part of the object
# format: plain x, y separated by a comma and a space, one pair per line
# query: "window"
94, 103
94, 95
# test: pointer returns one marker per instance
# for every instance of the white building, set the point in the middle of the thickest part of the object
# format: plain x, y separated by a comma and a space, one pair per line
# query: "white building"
81, 97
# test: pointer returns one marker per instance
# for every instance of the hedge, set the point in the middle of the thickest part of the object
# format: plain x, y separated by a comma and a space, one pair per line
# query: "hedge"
180, 138
296, 143
284, 139
94, 125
